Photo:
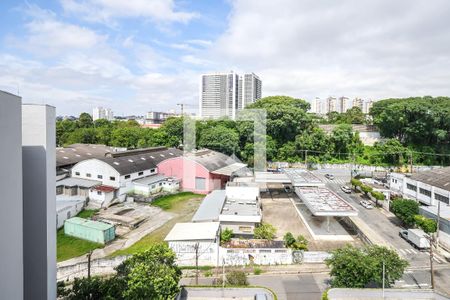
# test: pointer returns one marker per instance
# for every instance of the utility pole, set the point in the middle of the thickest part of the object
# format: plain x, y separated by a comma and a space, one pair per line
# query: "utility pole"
384, 270
411, 161
430, 238
306, 159
196, 263
89, 264
223, 273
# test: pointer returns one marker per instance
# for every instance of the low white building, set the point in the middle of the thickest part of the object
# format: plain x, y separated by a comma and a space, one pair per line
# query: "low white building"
154, 184
430, 188
190, 239
68, 207
237, 208
120, 170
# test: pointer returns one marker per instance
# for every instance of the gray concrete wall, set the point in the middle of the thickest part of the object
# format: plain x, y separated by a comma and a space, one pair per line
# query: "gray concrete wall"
39, 201
11, 256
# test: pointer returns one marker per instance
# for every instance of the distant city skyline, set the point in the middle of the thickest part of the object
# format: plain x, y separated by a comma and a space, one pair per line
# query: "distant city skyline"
135, 56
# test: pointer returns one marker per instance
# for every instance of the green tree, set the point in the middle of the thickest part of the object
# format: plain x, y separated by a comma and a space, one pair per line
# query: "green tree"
426, 224
220, 138
265, 231
173, 128
226, 235
353, 267
366, 189
355, 183
379, 196
152, 274
405, 210
85, 120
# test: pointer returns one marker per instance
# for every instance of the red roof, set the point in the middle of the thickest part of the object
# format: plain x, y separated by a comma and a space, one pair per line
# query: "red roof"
105, 188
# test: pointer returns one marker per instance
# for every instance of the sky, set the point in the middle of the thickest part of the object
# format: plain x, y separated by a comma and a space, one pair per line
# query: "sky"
135, 56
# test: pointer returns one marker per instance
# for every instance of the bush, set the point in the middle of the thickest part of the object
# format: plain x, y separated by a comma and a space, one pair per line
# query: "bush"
288, 239
257, 271
377, 195
355, 182
208, 273
301, 243
237, 278
226, 235
265, 231
426, 224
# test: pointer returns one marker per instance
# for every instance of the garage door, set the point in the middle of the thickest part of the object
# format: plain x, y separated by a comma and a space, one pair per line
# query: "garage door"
200, 183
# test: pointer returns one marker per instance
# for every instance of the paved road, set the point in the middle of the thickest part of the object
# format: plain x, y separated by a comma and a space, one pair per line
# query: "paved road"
384, 223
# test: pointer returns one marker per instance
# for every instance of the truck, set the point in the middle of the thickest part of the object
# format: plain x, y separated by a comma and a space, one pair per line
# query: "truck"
416, 237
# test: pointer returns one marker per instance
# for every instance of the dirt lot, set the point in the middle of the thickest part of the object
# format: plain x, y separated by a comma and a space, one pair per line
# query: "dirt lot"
279, 211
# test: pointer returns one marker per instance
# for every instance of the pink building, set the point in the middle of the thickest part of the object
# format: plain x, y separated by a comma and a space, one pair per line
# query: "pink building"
202, 171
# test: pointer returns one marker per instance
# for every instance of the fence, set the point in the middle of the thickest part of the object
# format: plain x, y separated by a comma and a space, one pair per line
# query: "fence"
102, 266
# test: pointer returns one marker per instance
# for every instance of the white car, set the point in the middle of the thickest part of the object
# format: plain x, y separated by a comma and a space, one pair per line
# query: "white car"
366, 204
346, 189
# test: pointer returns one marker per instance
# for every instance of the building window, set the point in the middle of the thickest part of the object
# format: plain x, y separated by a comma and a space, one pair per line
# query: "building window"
425, 192
152, 171
99, 192
411, 187
127, 176
112, 178
140, 173
160, 184
100, 176
88, 174
77, 173
441, 198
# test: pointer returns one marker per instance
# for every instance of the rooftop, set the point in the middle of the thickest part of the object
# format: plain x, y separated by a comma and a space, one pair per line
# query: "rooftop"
75, 153
435, 177
210, 207
63, 203
301, 177
193, 231
145, 160
89, 223
150, 179
72, 181
323, 202
216, 162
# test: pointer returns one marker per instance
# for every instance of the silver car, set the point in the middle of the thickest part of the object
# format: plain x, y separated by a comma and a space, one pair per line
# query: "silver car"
366, 204
346, 189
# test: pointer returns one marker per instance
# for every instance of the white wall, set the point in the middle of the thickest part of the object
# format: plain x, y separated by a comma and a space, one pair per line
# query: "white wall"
102, 200
11, 212
96, 167
39, 200
185, 251
61, 215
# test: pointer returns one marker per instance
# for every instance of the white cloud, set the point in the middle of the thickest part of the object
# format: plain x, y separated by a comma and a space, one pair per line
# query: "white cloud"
106, 11
317, 48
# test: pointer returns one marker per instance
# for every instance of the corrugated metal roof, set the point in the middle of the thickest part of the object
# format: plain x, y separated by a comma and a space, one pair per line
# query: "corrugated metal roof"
139, 162
73, 181
210, 207
75, 153
150, 179
89, 223
436, 177
230, 169
212, 160
193, 231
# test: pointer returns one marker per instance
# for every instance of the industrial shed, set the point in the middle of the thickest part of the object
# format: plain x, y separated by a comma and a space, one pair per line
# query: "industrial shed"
94, 231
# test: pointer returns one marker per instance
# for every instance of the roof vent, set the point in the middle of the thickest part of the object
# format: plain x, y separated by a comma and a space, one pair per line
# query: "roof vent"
65, 157
143, 158
116, 163
130, 160
88, 153
152, 156
162, 155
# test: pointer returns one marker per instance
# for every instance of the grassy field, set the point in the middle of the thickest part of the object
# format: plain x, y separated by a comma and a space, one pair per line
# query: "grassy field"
68, 247
183, 205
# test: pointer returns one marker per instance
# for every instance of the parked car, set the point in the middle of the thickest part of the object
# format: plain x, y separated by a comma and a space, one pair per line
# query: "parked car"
329, 176
346, 189
366, 204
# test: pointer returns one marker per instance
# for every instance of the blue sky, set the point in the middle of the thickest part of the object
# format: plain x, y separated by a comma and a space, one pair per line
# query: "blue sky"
139, 55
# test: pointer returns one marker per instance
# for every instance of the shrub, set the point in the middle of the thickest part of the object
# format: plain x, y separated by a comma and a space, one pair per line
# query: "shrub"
301, 243
208, 273
237, 278
288, 239
265, 231
226, 235
355, 182
257, 271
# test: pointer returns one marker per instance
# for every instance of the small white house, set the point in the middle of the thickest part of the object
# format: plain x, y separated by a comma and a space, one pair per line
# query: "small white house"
68, 207
184, 238
155, 184
101, 196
